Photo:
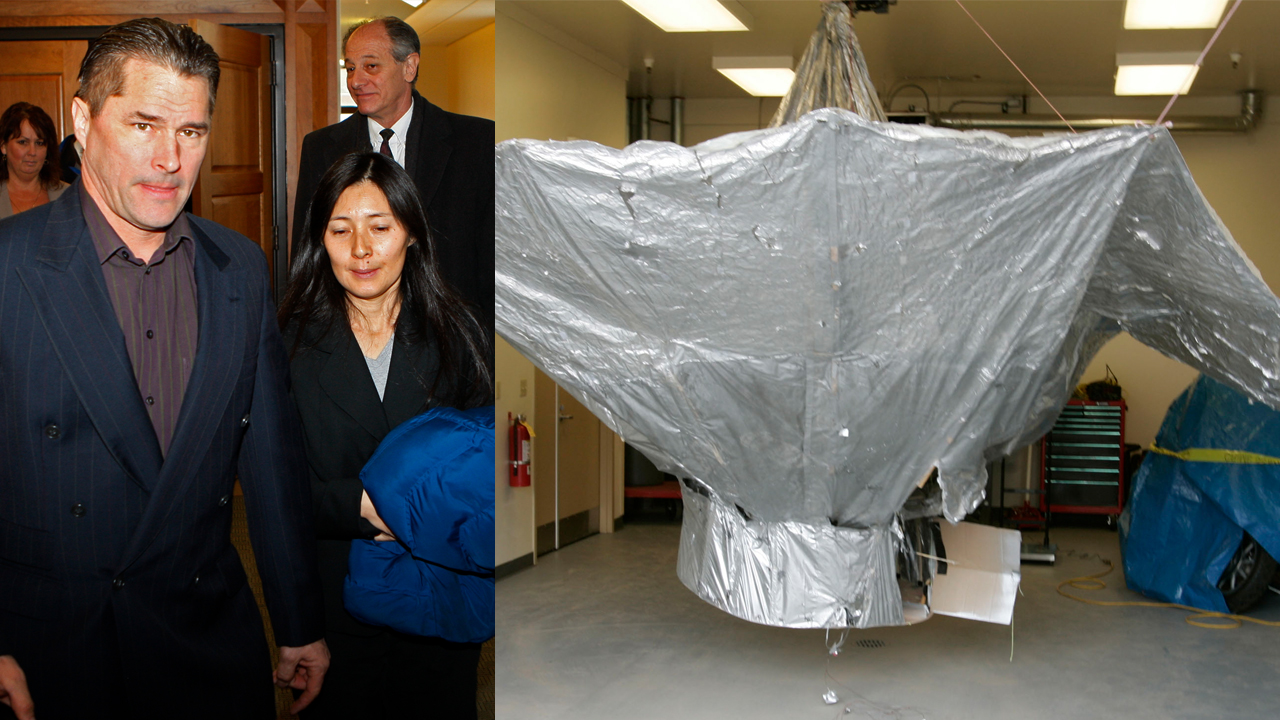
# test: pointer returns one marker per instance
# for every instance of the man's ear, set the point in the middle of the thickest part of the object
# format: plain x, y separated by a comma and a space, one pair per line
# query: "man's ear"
80, 119
411, 67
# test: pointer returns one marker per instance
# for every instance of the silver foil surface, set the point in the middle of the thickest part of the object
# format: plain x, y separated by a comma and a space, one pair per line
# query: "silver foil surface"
806, 320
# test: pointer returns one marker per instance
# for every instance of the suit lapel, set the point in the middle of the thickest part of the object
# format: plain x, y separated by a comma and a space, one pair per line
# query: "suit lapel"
71, 301
357, 129
218, 362
345, 379
429, 146
405, 394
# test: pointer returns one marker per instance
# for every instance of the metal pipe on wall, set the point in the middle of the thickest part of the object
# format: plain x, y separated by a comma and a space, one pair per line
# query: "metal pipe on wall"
677, 120
633, 119
1250, 112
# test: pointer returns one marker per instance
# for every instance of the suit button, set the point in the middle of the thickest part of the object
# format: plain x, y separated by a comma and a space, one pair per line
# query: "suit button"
78, 510
117, 583
244, 421
222, 501
196, 581
53, 432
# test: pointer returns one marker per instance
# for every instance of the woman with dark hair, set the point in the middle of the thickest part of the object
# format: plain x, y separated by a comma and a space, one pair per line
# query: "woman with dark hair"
375, 337
30, 174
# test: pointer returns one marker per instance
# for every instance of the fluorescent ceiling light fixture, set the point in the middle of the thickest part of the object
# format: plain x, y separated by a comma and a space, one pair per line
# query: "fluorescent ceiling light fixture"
760, 76
414, 3
1167, 14
687, 15
1155, 73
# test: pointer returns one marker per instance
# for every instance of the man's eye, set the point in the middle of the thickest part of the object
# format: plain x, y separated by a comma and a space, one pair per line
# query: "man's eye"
142, 126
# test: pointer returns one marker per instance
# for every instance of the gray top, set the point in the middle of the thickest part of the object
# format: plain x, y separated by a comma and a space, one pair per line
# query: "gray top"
379, 366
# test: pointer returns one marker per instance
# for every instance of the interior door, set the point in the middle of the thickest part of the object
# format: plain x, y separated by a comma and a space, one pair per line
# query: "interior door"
234, 188
566, 467
579, 476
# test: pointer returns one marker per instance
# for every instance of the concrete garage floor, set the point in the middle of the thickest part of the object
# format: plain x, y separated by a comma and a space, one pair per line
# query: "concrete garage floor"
604, 629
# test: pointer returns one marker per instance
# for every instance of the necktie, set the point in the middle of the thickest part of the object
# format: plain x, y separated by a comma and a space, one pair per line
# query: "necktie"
386, 143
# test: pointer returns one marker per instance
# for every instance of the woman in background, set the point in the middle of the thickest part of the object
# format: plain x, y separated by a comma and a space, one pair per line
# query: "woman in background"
375, 337
30, 174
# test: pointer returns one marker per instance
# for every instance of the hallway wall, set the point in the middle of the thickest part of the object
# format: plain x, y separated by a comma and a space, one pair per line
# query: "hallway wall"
548, 87
459, 77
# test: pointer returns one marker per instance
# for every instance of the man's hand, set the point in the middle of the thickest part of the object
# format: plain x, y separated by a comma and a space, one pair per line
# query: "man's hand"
13, 688
301, 668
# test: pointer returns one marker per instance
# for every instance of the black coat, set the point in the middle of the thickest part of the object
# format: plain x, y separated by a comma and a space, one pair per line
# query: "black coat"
121, 594
450, 158
343, 423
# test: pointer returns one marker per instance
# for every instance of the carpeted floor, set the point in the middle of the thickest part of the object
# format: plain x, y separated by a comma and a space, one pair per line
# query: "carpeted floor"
485, 700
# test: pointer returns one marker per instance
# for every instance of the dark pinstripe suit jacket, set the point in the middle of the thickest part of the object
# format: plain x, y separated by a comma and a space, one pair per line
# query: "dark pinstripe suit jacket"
120, 592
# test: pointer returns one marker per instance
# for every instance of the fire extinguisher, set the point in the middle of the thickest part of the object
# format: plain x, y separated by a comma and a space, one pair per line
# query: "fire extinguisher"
518, 449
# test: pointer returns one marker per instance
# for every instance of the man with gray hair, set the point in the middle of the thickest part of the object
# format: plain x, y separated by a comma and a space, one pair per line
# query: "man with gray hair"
141, 372
449, 156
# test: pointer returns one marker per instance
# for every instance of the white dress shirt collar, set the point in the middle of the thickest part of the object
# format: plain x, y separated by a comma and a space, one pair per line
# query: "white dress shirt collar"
401, 129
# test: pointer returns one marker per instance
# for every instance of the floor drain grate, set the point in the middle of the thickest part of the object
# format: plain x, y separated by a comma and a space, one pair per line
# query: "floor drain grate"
870, 643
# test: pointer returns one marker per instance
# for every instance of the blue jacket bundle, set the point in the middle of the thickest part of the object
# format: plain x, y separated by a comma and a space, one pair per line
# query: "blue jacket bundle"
432, 483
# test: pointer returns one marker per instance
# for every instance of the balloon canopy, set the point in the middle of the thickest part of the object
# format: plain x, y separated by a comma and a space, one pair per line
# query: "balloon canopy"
806, 321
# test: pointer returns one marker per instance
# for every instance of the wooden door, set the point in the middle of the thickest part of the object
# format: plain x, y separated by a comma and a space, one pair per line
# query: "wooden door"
42, 72
234, 188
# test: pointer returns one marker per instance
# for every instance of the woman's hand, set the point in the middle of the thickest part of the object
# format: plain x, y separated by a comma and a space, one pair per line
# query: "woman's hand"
368, 512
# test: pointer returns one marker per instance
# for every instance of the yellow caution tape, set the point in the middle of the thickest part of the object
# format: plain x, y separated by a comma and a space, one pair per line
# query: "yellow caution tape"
1238, 457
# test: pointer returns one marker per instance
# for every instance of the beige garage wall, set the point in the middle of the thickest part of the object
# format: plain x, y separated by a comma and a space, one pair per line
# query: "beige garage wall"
548, 88
552, 88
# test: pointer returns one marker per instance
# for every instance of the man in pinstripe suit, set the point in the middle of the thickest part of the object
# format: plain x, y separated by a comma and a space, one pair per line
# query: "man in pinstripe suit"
140, 372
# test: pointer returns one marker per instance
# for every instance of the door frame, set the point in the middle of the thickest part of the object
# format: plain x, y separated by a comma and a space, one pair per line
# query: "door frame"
279, 145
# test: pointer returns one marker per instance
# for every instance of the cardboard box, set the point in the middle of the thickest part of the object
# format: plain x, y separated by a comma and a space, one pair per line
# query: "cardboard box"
983, 573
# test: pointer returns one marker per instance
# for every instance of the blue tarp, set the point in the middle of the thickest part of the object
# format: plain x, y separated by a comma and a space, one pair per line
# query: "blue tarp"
1186, 519
432, 483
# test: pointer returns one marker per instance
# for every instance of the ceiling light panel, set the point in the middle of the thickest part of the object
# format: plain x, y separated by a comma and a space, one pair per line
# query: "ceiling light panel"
759, 76
688, 15
761, 82
1170, 14
1155, 73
